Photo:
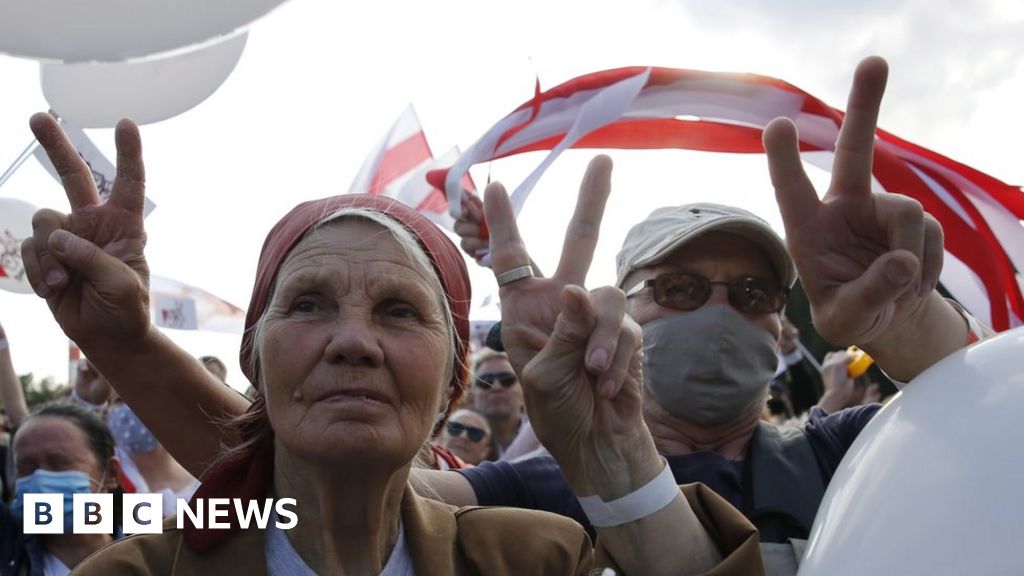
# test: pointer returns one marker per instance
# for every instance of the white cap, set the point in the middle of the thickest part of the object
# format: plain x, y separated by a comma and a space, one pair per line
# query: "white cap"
666, 229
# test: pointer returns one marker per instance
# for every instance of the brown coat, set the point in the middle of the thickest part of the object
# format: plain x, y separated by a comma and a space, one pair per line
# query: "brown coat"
442, 540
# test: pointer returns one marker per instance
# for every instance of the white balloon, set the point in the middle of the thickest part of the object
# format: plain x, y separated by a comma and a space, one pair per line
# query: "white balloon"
933, 484
116, 30
15, 226
98, 95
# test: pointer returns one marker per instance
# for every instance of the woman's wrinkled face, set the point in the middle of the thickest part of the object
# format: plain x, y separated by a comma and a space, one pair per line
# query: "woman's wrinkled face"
354, 348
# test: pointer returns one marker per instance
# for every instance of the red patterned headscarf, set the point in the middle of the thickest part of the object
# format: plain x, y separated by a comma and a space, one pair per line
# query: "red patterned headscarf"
246, 474
446, 258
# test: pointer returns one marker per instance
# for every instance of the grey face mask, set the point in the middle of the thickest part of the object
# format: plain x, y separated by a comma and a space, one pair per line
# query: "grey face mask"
709, 366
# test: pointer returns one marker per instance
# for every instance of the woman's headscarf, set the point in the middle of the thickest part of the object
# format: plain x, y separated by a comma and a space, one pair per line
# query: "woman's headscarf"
447, 261
246, 474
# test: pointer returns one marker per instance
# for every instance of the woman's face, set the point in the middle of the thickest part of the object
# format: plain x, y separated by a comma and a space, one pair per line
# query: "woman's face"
354, 348
55, 444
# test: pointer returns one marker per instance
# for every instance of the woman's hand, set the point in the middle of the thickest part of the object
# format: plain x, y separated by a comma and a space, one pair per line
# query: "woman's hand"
89, 264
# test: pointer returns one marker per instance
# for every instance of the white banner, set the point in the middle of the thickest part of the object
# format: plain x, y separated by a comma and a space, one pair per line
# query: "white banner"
103, 170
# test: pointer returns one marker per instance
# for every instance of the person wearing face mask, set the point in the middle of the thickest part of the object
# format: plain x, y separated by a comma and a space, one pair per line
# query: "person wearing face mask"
708, 298
62, 448
145, 462
707, 283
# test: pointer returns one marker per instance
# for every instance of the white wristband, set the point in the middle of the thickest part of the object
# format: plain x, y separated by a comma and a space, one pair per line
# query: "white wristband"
3, 344
650, 498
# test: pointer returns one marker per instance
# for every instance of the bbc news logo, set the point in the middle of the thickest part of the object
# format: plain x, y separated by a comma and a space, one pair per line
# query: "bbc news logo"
143, 513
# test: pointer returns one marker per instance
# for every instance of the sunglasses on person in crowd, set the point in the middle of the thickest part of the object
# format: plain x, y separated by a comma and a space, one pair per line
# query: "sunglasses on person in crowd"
683, 291
491, 380
456, 429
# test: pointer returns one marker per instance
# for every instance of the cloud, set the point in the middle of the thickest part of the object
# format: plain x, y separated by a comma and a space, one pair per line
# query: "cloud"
942, 55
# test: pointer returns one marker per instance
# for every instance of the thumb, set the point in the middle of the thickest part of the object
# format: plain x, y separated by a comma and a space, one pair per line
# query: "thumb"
99, 268
889, 277
575, 322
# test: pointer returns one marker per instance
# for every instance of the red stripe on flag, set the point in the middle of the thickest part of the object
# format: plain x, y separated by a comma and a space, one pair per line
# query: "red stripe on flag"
665, 133
434, 202
399, 160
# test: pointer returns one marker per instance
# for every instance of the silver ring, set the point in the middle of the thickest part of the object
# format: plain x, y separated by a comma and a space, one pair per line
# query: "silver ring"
517, 273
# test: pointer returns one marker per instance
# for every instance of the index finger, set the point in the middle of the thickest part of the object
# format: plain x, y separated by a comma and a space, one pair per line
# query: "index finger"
794, 192
585, 225
851, 170
507, 248
74, 173
129, 189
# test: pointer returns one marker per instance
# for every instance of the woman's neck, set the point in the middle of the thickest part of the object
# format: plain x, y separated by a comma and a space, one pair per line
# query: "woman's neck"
348, 521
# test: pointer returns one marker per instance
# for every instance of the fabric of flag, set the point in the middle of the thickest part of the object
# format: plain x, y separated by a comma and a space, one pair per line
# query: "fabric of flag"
180, 306
643, 108
397, 168
103, 170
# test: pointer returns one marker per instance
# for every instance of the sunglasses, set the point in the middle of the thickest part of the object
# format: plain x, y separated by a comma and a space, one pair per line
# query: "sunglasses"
681, 291
491, 380
475, 434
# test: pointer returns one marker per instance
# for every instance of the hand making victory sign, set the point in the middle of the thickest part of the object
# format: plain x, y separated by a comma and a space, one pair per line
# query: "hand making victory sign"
869, 261
577, 352
89, 264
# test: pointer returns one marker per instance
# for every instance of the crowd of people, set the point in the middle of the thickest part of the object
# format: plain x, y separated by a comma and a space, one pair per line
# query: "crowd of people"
665, 425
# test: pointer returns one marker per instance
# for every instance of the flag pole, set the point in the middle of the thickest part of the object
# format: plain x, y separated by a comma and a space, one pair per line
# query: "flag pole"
19, 161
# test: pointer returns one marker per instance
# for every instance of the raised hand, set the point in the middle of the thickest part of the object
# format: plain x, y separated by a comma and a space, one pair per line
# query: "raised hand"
577, 352
868, 261
841, 391
530, 306
471, 227
89, 264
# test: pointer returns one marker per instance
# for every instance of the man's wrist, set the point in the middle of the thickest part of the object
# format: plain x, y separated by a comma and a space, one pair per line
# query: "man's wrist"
645, 501
934, 331
615, 471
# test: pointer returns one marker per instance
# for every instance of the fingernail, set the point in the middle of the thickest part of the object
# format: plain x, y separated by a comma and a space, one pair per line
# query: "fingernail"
54, 277
898, 272
598, 359
61, 240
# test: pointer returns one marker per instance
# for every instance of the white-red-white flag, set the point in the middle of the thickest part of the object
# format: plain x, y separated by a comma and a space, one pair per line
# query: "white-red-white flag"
644, 107
397, 168
103, 170
180, 306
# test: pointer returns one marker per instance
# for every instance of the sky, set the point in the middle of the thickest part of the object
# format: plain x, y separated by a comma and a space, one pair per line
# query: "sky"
320, 83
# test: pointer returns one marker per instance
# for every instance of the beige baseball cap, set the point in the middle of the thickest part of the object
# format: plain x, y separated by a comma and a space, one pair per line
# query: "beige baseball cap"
666, 229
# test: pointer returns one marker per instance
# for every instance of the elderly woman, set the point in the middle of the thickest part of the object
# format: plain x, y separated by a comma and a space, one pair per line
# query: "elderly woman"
356, 339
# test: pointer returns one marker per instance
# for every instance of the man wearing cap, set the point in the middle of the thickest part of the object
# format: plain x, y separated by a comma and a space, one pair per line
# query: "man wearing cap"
707, 284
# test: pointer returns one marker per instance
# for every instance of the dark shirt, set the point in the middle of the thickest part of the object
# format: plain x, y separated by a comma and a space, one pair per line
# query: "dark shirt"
538, 483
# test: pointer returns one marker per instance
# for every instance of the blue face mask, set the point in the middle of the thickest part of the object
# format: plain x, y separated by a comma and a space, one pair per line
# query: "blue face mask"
66, 482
